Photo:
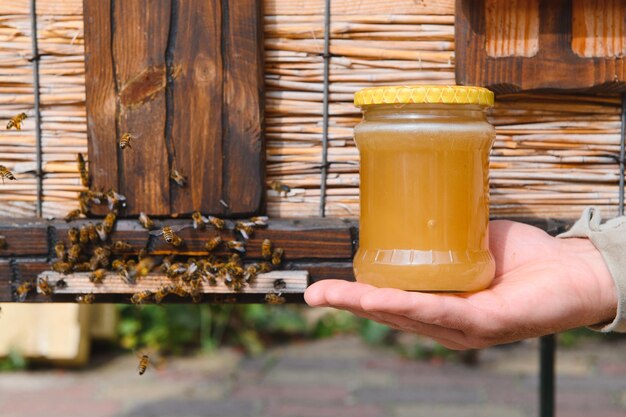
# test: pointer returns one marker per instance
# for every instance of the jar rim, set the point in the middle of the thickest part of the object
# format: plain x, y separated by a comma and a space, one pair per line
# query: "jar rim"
424, 94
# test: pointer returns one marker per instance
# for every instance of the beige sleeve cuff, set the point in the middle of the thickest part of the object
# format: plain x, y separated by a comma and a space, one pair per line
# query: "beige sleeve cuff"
610, 239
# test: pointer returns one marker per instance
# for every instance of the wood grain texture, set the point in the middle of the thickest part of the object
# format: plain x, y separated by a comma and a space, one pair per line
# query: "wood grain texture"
351, 7
184, 78
100, 96
140, 34
5, 281
599, 28
552, 68
197, 134
243, 171
512, 27
24, 240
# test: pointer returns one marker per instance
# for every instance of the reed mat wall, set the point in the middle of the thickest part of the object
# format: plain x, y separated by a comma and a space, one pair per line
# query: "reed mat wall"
553, 155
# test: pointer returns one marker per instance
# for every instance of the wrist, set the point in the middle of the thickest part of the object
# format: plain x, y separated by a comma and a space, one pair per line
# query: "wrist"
588, 268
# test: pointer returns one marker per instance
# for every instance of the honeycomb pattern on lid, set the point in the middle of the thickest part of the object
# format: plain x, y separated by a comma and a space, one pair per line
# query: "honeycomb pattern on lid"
424, 94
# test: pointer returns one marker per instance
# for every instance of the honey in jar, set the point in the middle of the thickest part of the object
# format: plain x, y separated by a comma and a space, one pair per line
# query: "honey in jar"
424, 188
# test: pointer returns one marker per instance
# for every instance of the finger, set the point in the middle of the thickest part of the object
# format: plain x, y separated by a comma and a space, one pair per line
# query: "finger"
336, 293
449, 311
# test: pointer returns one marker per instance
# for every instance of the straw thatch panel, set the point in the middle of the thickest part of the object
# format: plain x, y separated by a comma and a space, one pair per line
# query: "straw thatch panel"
553, 155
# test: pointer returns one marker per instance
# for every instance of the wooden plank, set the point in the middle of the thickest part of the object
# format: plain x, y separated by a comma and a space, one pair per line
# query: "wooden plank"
599, 28
195, 101
101, 97
549, 69
243, 149
5, 281
351, 7
78, 283
24, 238
140, 39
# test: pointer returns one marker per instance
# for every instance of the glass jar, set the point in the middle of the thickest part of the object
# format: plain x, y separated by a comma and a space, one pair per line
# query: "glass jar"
424, 188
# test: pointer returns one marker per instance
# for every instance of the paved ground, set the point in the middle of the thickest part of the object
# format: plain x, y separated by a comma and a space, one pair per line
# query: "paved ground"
329, 378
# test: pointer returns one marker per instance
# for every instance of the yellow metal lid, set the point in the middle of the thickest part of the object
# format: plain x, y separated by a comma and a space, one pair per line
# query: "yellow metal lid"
424, 94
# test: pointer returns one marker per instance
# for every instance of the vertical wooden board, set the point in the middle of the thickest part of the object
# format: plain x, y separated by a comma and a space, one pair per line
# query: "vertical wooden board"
244, 167
140, 37
195, 104
100, 95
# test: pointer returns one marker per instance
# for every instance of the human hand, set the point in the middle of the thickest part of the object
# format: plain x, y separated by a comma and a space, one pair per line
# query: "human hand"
542, 285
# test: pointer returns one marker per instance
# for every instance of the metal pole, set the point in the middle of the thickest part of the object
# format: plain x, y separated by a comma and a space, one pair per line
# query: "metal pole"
322, 209
547, 351
35, 60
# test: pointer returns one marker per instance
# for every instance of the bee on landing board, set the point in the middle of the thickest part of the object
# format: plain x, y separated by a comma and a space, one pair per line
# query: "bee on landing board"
280, 188
199, 221
72, 215
23, 290
266, 249
44, 286
5, 173
145, 221
169, 234
217, 222
213, 243
277, 256
16, 121
274, 298
85, 298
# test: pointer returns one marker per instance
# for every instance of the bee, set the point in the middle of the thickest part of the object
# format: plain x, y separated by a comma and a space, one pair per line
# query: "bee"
6, 173
85, 298
115, 200
144, 266
118, 265
217, 222
73, 235
162, 292
251, 272
145, 221
236, 245
259, 221
92, 233
266, 249
199, 221
121, 246
178, 178
180, 291
141, 297
3, 242
62, 267
175, 270
72, 215
280, 188
82, 169
84, 202
274, 298
280, 284
60, 284
82, 267
59, 250
23, 290
83, 236
169, 234
96, 197
195, 291
100, 257
44, 286
213, 243
144, 361
245, 229
125, 141
277, 256
16, 121
264, 267
109, 221
97, 276
73, 253
101, 231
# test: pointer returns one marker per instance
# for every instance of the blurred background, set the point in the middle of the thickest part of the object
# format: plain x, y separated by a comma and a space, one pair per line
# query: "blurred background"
259, 360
